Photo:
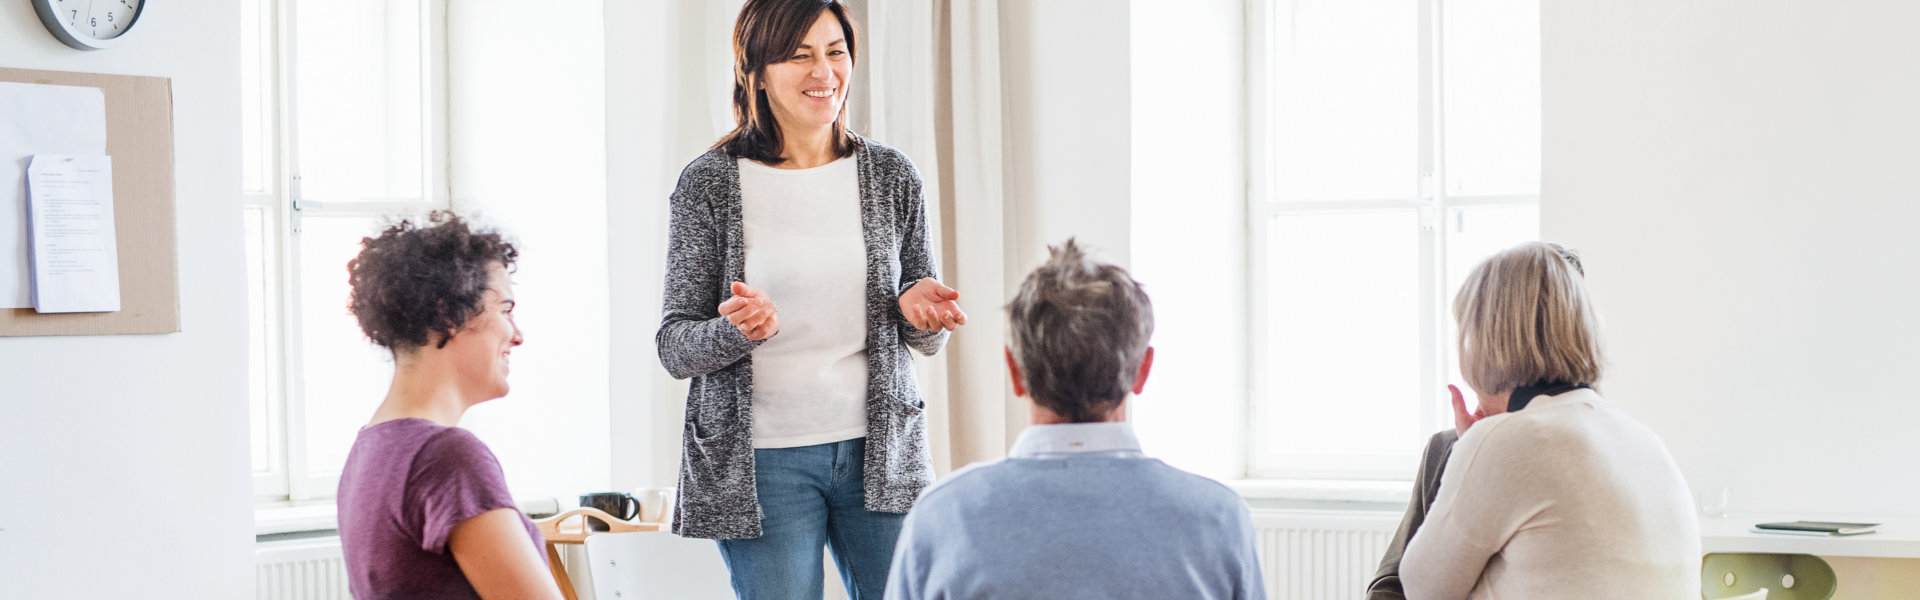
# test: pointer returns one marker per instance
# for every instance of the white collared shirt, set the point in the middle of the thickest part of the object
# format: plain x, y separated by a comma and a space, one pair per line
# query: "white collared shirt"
1113, 439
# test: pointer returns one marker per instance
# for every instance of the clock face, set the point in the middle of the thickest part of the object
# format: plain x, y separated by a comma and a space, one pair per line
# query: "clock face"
88, 24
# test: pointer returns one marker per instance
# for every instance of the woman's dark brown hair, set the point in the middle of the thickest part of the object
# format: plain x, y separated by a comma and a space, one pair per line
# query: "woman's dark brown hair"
417, 283
768, 31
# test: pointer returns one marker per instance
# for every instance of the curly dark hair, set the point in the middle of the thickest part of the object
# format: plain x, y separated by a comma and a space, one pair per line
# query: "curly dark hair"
416, 279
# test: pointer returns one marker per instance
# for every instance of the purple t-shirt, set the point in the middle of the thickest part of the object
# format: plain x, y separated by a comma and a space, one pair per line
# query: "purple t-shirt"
407, 483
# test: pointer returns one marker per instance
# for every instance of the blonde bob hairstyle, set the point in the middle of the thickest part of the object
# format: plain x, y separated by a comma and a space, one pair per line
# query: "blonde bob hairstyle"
1525, 319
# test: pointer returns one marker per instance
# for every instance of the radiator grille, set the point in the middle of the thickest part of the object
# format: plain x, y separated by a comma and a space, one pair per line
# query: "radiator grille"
1304, 555
1321, 555
300, 570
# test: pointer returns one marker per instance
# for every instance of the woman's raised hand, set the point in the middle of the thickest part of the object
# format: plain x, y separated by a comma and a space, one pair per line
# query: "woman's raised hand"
750, 310
930, 306
1461, 418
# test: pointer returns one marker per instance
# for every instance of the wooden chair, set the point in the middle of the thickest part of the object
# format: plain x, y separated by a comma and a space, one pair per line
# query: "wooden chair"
559, 531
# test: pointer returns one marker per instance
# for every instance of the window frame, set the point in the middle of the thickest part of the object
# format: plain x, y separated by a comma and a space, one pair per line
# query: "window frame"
1433, 204
289, 477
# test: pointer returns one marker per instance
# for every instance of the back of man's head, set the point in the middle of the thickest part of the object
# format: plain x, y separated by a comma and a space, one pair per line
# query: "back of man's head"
1079, 333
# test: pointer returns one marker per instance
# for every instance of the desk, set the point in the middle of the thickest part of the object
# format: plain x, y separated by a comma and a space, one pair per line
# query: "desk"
1898, 537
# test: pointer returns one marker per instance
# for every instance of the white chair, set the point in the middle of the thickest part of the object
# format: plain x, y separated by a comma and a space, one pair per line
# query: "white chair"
645, 565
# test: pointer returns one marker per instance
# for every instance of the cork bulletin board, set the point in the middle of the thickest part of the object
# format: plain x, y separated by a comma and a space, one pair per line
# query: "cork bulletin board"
140, 140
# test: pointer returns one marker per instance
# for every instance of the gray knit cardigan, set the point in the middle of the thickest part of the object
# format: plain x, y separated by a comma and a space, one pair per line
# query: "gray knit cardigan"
705, 254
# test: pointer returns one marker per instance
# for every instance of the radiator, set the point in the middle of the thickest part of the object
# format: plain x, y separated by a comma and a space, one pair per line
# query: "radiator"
309, 569
1321, 554
1304, 555
313, 569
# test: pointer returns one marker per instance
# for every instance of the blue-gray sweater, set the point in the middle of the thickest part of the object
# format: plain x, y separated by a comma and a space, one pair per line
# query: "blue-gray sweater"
705, 255
1076, 511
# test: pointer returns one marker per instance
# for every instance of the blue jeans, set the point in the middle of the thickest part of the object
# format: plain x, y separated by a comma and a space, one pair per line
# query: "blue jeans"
810, 497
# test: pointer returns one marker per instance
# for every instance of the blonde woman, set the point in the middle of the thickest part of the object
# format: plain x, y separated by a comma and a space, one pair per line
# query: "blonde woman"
1569, 498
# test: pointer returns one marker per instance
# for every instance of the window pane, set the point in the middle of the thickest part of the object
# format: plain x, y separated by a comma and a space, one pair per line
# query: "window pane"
256, 94
360, 79
261, 397
1473, 234
1346, 101
1492, 94
345, 375
1343, 364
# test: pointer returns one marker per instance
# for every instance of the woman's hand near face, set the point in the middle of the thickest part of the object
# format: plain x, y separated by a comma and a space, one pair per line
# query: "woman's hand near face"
1461, 418
930, 306
750, 310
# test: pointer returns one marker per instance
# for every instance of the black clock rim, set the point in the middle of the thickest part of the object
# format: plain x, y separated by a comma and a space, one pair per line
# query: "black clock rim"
61, 31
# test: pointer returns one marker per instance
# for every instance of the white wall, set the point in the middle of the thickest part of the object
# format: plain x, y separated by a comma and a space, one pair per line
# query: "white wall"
1067, 115
667, 86
1189, 233
1739, 176
528, 135
131, 451
1066, 122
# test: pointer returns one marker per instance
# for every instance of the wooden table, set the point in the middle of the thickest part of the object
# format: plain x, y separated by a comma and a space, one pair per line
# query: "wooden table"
558, 531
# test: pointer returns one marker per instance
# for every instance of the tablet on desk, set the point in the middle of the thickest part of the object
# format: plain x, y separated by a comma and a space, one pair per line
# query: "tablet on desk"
1815, 528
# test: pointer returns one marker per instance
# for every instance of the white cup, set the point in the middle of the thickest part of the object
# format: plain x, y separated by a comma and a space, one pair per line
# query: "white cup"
656, 504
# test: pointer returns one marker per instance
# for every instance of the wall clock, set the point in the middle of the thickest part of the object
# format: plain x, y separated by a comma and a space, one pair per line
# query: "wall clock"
89, 24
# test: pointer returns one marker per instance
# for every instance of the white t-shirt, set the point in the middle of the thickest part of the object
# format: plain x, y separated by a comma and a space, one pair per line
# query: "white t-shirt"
806, 250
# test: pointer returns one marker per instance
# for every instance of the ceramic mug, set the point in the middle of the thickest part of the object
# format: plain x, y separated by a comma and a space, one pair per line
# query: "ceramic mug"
656, 504
621, 506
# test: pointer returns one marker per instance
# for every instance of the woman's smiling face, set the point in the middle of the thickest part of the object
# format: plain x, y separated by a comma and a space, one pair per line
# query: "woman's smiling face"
481, 347
807, 89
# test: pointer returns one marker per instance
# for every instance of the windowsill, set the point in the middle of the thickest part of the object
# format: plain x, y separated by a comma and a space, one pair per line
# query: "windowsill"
1328, 494
288, 517
283, 518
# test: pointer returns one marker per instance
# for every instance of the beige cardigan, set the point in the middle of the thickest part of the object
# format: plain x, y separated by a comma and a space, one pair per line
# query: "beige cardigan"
1569, 498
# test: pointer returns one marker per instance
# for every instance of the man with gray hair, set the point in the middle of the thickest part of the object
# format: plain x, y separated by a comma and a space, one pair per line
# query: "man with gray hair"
1076, 510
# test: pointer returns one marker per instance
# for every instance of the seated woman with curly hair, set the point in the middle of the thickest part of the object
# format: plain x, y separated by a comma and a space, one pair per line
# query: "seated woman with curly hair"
424, 508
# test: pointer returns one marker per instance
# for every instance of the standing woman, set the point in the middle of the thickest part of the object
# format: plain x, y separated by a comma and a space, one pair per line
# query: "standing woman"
804, 426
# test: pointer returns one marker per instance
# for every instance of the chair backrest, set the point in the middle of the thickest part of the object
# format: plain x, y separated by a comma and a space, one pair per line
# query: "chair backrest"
1780, 576
644, 565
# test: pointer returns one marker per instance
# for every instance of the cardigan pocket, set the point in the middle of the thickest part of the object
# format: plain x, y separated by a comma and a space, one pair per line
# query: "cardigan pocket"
715, 406
907, 398
905, 384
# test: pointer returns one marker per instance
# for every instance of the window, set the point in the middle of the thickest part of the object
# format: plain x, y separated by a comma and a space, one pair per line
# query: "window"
343, 111
1395, 145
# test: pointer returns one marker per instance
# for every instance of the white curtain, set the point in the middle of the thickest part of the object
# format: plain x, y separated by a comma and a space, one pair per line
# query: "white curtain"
929, 84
